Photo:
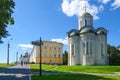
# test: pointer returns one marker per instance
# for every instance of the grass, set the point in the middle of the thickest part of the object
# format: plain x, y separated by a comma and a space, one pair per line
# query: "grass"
88, 69
2, 65
75, 77
35, 67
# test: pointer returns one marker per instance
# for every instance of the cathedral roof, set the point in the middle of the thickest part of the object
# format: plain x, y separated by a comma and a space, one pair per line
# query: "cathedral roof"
73, 32
87, 30
101, 30
86, 14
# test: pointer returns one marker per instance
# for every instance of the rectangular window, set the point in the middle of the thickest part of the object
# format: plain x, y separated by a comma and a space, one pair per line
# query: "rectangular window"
45, 47
59, 56
54, 55
55, 48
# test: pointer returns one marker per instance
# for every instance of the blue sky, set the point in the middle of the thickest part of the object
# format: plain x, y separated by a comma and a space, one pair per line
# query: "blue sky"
52, 19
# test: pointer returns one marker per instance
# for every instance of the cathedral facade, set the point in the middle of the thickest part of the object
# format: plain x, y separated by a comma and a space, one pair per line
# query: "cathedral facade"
87, 45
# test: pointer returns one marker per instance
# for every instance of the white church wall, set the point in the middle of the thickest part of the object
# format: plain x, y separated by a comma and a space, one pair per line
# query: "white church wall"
101, 50
80, 51
90, 55
74, 50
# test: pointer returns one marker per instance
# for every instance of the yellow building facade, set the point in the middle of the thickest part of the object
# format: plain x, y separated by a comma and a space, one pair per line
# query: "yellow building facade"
51, 53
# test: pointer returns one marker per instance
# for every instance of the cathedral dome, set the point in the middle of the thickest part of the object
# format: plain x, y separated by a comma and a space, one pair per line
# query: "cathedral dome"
74, 33
87, 30
86, 14
101, 31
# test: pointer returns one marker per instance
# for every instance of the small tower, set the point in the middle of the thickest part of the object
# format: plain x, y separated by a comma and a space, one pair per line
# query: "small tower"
85, 20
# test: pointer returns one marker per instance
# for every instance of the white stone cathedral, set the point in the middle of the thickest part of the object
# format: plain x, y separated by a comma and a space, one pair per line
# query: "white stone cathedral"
87, 45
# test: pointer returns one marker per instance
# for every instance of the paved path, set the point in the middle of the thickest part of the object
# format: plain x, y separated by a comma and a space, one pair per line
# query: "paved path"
74, 73
17, 72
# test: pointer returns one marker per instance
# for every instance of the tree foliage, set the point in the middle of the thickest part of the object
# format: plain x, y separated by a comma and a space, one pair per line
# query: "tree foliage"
114, 55
118, 46
65, 58
6, 10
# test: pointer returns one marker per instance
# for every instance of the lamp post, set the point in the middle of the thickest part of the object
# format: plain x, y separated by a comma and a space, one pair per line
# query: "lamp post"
8, 47
17, 57
39, 43
40, 57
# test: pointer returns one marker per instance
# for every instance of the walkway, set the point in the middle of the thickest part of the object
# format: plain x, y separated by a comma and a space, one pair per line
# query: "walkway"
74, 73
17, 72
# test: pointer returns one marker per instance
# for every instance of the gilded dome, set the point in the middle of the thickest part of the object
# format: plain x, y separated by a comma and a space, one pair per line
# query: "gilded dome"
86, 14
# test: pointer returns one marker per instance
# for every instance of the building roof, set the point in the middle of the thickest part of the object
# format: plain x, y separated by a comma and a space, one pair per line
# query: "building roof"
101, 30
46, 41
87, 30
73, 32
86, 14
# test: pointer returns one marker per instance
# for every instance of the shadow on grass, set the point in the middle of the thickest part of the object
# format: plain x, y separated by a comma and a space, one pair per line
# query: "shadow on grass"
69, 77
50, 75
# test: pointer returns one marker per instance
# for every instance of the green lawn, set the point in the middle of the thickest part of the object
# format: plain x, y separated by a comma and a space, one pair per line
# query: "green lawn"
2, 65
35, 67
75, 77
89, 69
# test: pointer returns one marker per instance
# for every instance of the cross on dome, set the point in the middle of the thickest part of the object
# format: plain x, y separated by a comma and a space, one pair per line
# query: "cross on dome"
85, 7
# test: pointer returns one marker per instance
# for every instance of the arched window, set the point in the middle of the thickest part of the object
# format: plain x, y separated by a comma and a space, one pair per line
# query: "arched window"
102, 50
90, 47
87, 47
73, 49
83, 48
85, 22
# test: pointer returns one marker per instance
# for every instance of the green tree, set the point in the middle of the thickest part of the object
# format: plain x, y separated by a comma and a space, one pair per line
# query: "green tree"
118, 46
114, 55
65, 58
6, 10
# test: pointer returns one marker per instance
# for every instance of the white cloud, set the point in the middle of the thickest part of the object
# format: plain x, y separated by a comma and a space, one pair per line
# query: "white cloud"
116, 4
64, 41
77, 7
25, 47
101, 7
104, 1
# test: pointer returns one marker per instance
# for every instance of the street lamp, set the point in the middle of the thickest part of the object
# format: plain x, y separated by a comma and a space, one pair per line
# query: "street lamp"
8, 46
17, 57
40, 57
39, 43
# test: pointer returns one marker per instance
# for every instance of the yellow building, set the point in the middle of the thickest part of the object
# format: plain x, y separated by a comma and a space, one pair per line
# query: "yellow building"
51, 53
